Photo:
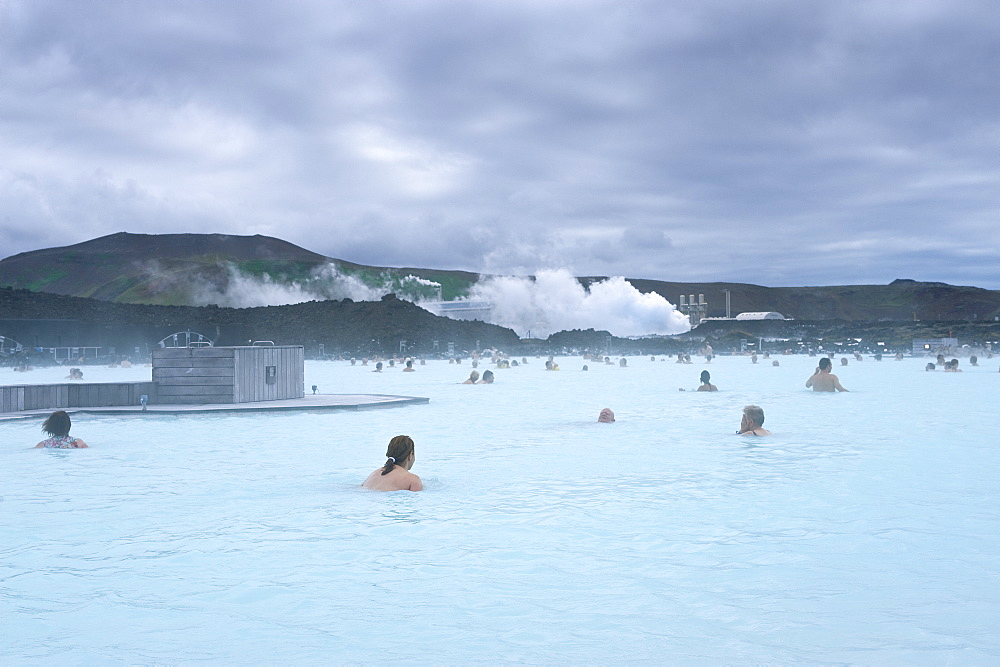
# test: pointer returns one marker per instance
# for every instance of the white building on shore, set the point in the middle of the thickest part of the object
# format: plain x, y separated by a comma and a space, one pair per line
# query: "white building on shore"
751, 316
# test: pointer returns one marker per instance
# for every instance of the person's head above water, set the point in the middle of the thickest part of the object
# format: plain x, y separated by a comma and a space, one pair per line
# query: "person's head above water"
753, 421
606, 416
706, 377
754, 414
825, 364
487, 377
399, 453
57, 424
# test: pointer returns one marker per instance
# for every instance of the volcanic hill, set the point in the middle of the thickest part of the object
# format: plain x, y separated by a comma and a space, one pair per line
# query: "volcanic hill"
175, 269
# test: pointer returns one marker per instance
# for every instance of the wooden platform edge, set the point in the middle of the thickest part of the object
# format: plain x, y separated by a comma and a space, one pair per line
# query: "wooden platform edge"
282, 405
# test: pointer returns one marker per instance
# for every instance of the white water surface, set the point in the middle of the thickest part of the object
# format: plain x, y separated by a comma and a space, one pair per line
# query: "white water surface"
866, 530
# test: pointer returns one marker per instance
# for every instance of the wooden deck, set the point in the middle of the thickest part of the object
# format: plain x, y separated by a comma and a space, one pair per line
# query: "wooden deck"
309, 402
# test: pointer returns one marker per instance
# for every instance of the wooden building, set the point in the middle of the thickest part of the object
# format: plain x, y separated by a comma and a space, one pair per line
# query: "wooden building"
199, 375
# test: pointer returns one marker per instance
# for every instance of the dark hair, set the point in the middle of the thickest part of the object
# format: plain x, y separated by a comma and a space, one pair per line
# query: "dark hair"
825, 363
57, 423
706, 377
399, 448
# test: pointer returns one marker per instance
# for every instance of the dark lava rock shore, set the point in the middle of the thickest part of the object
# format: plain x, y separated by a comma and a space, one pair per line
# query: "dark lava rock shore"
37, 319
370, 328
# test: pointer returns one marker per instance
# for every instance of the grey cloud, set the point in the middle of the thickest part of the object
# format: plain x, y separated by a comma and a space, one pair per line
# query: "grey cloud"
491, 136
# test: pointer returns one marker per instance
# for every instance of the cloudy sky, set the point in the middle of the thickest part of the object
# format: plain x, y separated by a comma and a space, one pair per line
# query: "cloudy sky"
778, 142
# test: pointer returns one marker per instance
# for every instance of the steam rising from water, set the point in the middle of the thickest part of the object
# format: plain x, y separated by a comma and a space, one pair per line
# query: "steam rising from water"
556, 301
553, 301
246, 291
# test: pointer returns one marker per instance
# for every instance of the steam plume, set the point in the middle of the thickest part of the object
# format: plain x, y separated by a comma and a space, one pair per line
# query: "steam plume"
556, 301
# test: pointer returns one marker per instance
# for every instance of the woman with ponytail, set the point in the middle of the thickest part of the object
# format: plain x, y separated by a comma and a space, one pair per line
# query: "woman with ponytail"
395, 475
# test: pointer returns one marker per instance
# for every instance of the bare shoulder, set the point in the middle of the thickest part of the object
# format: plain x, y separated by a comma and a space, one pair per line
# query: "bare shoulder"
415, 483
369, 483
80, 444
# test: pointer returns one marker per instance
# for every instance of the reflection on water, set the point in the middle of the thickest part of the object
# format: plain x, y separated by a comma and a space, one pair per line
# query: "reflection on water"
864, 530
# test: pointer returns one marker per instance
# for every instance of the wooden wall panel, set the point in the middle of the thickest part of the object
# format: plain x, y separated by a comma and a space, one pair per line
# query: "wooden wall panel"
73, 395
250, 379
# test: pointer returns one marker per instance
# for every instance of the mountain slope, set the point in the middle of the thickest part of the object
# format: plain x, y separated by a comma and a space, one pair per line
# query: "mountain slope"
199, 269
176, 269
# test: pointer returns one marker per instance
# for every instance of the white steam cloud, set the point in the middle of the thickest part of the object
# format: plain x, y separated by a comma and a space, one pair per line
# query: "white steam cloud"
553, 301
556, 301
239, 289
246, 291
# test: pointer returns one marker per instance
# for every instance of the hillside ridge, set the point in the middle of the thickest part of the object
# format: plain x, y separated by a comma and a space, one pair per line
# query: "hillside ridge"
181, 269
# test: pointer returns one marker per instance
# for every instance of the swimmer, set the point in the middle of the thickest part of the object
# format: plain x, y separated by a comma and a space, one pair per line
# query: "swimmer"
606, 416
622, 362
952, 367
395, 475
487, 377
973, 360
753, 421
930, 367
378, 368
843, 361
753, 358
775, 363
823, 379
409, 366
585, 367
473, 377
706, 382
57, 425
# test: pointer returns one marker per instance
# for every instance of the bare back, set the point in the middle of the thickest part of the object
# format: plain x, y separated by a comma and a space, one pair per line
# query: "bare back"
824, 381
397, 479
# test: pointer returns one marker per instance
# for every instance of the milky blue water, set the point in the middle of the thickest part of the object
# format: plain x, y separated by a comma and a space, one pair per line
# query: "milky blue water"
866, 530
